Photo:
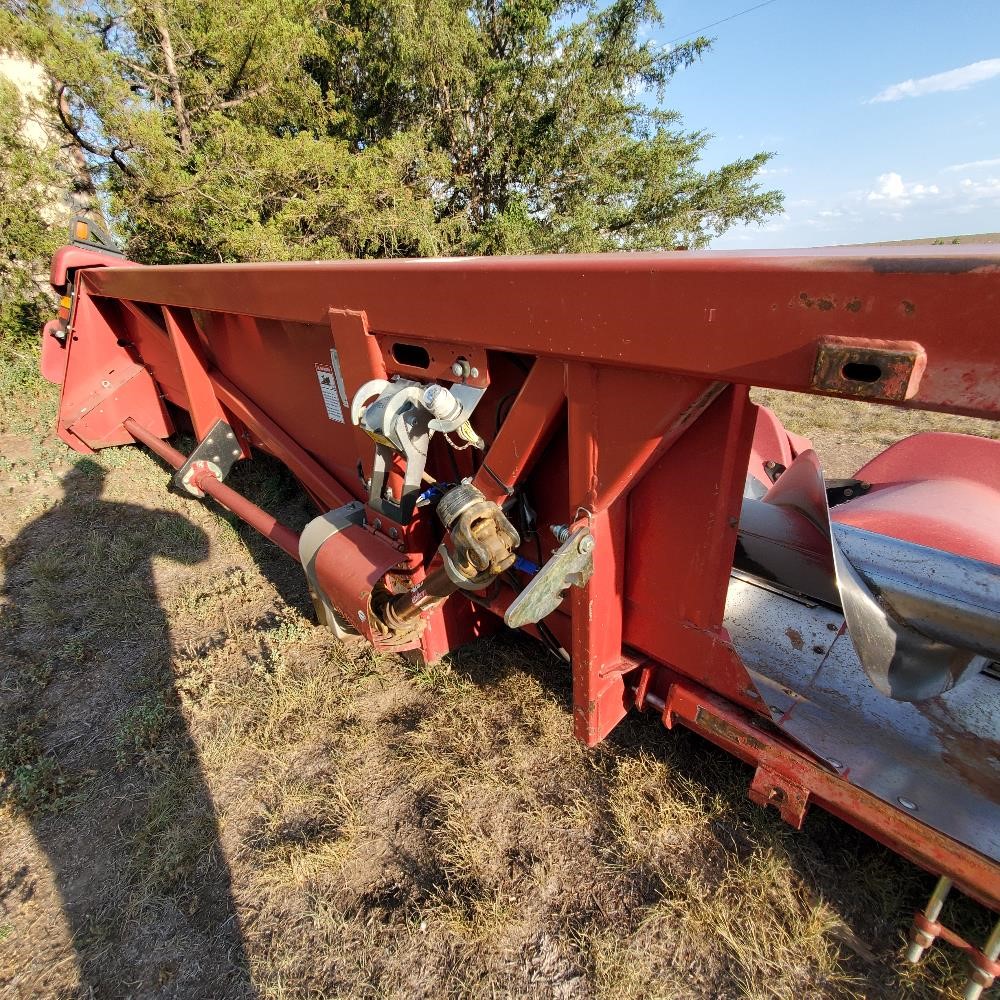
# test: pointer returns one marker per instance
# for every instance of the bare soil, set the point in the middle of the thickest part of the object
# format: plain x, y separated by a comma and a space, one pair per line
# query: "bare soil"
205, 795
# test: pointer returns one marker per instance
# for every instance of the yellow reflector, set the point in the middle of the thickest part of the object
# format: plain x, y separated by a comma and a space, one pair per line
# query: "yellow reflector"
82, 230
65, 302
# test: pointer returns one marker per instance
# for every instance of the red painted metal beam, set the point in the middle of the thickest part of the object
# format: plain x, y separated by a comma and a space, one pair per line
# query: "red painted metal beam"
759, 318
203, 405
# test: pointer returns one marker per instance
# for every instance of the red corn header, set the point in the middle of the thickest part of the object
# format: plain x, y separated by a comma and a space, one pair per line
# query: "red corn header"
566, 445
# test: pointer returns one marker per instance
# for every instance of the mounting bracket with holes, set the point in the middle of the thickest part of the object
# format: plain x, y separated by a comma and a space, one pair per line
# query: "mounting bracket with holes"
888, 370
217, 452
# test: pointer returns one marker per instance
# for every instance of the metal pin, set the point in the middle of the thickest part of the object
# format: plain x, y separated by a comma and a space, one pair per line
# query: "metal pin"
979, 979
919, 941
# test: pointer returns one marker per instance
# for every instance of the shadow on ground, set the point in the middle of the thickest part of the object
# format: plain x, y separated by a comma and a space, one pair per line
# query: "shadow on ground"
212, 798
133, 859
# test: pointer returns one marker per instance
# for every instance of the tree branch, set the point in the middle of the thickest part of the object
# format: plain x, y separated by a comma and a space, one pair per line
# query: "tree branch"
113, 154
170, 63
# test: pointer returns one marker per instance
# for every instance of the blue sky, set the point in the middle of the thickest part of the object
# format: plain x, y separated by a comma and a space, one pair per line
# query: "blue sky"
872, 141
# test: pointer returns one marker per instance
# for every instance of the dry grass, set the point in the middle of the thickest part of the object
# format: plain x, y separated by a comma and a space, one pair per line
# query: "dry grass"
848, 433
207, 796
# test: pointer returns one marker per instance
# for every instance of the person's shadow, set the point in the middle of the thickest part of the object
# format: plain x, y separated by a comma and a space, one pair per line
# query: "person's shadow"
97, 761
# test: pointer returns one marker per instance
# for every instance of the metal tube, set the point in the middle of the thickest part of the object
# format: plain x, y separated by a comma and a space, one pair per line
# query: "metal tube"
434, 588
982, 981
167, 452
270, 527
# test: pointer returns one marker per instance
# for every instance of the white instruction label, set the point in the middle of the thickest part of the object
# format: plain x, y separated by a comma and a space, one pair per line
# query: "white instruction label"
328, 386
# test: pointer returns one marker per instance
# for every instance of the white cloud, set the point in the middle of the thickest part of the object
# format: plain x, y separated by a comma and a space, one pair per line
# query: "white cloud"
972, 165
989, 188
953, 79
891, 187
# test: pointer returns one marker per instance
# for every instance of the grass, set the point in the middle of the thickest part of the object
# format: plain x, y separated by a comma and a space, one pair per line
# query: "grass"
205, 795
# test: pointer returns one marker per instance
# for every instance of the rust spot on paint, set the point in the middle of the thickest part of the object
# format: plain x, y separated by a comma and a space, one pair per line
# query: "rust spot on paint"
794, 636
825, 305
721, 728
853, 306
869, 369
908, 307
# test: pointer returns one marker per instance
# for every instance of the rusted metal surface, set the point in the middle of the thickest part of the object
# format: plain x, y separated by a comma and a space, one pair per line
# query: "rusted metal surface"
876, 370
939, 756
769, 788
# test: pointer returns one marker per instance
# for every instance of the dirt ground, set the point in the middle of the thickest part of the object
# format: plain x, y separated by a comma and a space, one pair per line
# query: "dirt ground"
204, 795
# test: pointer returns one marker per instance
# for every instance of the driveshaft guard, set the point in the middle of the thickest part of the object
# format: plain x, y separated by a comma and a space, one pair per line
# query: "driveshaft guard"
344, 562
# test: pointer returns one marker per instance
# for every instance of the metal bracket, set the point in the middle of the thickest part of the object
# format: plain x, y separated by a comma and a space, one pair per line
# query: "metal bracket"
217, 453
772, 789
571, 565
399, 422
315, 533
841, 490
869, 369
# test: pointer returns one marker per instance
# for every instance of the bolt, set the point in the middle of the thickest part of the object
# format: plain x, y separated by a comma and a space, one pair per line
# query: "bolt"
236, 452
835, 764
215, 458
230, 435
378, 524
560, 532
394, 533
751, 694
864, 485
769, 465
474, 373
362, 616
907, 803
586, 544
106, 384
848, 492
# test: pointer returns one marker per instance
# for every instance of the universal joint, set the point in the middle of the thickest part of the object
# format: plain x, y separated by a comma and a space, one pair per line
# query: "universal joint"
482, 547
482, 539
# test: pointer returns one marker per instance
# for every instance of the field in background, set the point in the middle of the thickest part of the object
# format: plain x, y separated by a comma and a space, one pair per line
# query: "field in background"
205, 795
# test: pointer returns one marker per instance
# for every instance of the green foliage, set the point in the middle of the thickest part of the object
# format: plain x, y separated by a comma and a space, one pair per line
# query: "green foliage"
30, 779
141, 728
297, 129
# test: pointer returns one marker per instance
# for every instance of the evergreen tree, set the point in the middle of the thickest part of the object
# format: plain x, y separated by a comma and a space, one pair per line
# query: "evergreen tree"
296, 129
30, 183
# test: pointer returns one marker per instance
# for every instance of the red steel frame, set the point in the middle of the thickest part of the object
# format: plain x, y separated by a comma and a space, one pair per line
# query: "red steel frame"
642, 361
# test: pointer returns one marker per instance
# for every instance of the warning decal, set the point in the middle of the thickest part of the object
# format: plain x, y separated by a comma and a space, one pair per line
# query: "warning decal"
328, 386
